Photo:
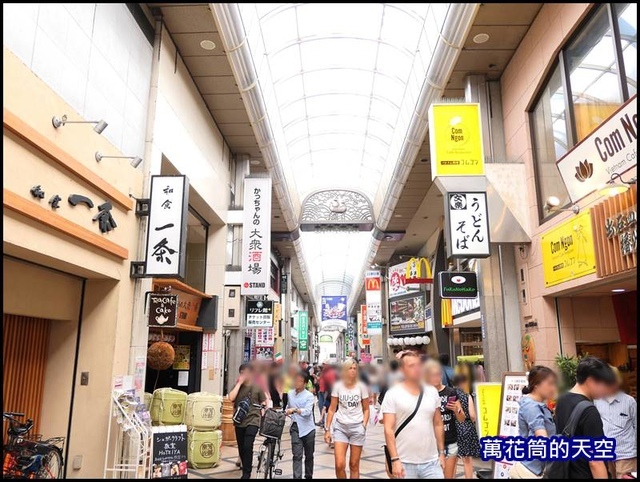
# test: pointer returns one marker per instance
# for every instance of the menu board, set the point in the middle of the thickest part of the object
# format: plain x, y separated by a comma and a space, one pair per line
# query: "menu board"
169, 452
512, 385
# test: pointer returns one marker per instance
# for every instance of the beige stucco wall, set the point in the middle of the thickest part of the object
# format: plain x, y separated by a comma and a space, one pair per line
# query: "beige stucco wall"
106, 317
521, 81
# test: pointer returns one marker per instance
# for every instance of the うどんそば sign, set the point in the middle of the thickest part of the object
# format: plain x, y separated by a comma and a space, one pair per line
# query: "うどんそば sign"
467, 225
256, 237
608, 151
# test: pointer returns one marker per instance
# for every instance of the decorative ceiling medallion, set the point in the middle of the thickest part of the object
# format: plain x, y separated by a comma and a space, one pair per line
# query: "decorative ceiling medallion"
336, 209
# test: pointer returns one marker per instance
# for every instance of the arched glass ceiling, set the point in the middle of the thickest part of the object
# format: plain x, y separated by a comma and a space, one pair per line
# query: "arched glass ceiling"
340, 83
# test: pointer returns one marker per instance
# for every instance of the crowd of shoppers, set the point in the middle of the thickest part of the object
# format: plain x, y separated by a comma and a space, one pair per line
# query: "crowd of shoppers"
424, 399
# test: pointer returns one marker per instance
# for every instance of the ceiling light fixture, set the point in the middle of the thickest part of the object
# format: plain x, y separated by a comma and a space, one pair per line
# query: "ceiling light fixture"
480, 38
208, 45
397, 215
255, 162
612, 188
57, 122
388, 237
135, 160
552, 205
618, 290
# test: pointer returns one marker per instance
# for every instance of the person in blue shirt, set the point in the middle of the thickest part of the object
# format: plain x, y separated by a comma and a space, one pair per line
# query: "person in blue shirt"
447, 371
303, 429
534, 417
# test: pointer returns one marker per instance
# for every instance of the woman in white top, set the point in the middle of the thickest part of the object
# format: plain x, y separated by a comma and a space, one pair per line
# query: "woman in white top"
350, 425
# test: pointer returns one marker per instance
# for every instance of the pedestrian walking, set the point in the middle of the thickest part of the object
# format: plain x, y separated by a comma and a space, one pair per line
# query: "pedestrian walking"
447, 371
245, 395
619, 414
413, 427
351, 419
535, 418
451, 411
303, 432
594, 379
468, 444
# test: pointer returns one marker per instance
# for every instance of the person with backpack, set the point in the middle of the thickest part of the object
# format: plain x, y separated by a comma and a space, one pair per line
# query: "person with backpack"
246, 417
535, 418
349, 430
577, 416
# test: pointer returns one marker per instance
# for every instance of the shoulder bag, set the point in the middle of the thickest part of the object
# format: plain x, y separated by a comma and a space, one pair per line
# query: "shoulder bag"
402, 426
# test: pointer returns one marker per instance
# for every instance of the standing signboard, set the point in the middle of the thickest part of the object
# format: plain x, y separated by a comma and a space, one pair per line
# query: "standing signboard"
467, 225
167, 228
163, 310
256, 236
455, 139
512, 385
372, 316
169, 452
259, 314
487, 399
303, 330
609, 151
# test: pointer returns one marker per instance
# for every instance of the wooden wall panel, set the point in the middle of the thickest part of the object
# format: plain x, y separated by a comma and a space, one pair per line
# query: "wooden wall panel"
24, 359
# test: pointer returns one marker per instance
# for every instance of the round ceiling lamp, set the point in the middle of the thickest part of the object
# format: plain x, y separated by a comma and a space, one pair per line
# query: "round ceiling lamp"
480, 38
208, 44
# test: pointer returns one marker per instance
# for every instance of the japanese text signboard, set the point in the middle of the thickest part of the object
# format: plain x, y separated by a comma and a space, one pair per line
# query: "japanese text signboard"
163, 310
264, 337
372, 317
455, 136
259, 314
487, 401
568, 250
610, 150
303, 330
256, 237
363, 335
169, 454
467, 225
397, 285
167, 228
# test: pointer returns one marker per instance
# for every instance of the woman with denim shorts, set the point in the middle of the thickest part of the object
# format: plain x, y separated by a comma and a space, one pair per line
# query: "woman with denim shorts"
348, 426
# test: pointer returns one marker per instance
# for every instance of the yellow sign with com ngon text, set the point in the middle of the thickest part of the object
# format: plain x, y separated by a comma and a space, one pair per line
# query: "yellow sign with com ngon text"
568, 250
455, 135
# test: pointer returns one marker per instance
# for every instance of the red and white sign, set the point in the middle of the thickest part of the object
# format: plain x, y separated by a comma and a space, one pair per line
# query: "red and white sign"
256, 236
362, 329
397, 281
264, 336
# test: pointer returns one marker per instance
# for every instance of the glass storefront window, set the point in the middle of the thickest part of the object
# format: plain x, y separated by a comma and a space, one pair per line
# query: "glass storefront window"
590, 61
550, 140
627, 18
196, 251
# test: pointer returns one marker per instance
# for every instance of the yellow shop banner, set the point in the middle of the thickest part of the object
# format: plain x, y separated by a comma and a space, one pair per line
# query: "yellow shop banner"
455, 135
568, 250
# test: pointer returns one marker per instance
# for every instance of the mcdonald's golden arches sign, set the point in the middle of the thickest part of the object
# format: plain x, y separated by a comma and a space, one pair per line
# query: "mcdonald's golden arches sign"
414, 273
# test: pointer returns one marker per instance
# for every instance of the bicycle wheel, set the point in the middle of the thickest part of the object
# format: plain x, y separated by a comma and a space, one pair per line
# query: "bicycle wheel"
51, 465
270, 465
262, 462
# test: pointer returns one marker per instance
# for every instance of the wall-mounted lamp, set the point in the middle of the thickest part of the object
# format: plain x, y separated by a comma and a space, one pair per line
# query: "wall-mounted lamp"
135, 160
612, 188
100, 125
552, 203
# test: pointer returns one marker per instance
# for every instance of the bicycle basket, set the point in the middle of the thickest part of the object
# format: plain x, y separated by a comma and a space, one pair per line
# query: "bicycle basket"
272, 423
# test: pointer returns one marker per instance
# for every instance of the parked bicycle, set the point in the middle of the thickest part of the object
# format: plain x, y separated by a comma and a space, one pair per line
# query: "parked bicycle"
270, 453
26, 456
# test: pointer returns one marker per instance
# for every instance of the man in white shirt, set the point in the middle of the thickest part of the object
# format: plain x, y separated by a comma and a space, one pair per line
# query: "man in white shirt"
418, 450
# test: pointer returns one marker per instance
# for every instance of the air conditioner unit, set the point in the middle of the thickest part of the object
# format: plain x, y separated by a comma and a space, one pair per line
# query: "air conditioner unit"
231, 315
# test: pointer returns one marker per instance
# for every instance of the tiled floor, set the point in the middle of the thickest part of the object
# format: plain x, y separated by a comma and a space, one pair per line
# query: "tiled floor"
371, 466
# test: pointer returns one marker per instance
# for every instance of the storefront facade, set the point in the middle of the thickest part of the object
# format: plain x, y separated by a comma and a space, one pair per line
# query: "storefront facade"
577, 278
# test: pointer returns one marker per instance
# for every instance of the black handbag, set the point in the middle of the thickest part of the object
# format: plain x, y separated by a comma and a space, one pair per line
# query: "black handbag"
387, 455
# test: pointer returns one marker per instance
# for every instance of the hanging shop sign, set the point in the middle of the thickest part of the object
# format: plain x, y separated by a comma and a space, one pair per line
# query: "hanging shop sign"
397, 284
407, 314
615, 229
467, 225
372, 316
259, 314
277, 312
163, 310
414, 273
568, 250
334, 312
303, 330
169, 452
455, 138
167, 227
458, 285
363, 335
264, 336
256, 237
608, 151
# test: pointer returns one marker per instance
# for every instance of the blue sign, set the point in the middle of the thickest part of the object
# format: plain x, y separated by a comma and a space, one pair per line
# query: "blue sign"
334, 310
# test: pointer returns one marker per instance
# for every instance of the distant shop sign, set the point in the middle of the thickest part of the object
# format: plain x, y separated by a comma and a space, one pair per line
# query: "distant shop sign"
458, 284
455, 136
610, 149
568, 250
256, 237
259, 314
398, 284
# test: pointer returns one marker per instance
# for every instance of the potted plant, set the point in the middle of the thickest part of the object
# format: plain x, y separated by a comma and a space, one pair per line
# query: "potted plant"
568, 366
